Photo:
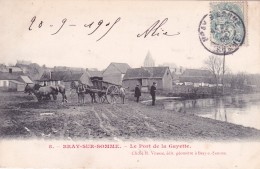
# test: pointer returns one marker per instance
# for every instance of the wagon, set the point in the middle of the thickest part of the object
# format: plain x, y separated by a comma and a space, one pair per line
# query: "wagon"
106, 91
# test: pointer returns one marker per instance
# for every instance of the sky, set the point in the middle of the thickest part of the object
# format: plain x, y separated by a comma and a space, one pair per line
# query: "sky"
72, 46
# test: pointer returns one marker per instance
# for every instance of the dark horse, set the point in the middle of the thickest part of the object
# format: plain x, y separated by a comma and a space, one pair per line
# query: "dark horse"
91, 93
42, 92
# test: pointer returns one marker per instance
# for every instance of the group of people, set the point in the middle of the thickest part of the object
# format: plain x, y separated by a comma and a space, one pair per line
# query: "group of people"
152, 92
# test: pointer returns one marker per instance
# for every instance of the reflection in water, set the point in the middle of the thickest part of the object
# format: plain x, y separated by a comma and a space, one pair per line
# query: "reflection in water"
239, 109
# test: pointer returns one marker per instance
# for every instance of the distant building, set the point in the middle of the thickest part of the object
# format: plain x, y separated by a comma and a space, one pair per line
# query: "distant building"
197, 77
70, 78
176, 73
64, 78
65, 68
145, 76
13, 81
73, 79
10, 69
148, 61
115, 72
53, 77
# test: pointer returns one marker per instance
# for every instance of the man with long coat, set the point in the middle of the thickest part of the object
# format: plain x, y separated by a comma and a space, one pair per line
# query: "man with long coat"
137, 93
153, 92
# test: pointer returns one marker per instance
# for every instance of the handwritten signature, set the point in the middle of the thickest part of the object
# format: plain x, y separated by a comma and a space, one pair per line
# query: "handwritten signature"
156, 30
97, 26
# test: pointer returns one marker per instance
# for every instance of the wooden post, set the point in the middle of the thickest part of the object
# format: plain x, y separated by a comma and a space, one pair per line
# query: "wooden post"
224, 58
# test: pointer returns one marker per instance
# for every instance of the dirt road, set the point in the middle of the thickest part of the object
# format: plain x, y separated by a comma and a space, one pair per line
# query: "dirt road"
21, 116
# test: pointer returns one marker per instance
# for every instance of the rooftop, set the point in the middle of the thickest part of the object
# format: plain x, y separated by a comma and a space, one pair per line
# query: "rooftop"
146, 72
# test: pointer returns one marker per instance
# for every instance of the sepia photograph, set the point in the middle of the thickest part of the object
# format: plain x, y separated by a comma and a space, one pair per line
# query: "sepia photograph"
129, 84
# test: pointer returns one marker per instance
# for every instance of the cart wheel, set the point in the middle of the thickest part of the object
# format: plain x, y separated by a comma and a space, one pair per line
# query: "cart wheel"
112, 94
101, 97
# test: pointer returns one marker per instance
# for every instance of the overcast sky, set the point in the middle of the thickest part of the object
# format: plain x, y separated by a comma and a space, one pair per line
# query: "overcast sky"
72, 46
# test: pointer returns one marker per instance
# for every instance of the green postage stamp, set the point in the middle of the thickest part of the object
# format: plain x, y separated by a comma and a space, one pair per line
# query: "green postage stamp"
223, 14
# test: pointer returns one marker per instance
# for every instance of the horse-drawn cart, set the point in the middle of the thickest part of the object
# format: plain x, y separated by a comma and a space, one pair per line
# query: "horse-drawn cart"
106, 91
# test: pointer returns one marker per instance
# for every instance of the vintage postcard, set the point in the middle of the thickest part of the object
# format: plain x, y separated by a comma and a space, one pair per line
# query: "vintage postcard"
129, 84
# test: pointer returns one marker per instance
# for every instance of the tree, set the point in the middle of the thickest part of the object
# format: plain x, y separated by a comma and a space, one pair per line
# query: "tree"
241, 80
215, 65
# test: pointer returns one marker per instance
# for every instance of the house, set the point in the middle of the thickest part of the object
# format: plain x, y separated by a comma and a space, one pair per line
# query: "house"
145, 76
73, 79
13, 81
67, 78
194, 82
176, 73
15, 85
10, 69
197, 77
115, 72
53, 77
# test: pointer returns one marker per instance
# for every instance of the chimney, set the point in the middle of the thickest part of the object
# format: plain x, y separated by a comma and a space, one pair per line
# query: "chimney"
10, 70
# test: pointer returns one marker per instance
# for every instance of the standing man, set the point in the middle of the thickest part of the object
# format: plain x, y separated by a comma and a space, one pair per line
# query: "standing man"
152, 92
137, 93
122, 94
81, 91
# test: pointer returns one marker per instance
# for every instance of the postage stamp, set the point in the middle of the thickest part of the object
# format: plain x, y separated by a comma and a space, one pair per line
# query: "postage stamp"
237, 7
223, 30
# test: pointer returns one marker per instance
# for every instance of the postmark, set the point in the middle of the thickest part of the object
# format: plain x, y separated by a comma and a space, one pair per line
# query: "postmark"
222, 32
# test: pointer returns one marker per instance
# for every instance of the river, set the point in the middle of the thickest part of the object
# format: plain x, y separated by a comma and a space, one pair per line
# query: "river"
241, 109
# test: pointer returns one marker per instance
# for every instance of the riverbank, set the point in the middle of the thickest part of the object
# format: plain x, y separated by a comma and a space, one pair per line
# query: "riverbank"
21, 116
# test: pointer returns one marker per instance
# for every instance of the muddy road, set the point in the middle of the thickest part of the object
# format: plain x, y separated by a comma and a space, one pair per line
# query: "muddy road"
21, 116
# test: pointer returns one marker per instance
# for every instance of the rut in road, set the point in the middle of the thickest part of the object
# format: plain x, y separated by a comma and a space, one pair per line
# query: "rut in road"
130, 124
104, 123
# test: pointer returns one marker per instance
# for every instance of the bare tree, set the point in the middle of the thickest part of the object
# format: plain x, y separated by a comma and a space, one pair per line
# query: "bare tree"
215, 65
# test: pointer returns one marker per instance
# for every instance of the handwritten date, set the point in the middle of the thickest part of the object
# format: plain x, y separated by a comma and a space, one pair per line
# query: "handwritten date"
92, 26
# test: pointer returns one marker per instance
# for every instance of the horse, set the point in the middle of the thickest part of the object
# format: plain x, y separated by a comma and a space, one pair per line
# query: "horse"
61, 89
29, 88
42, 91
91, 93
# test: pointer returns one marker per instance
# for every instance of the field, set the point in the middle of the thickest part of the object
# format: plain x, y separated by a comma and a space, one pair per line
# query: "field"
21, 116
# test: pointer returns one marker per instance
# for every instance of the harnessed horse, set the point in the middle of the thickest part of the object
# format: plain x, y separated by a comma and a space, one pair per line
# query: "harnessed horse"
62, 91
42, 92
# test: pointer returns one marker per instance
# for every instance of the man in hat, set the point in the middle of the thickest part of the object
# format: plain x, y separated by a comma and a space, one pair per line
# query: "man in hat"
137, 93
152, 92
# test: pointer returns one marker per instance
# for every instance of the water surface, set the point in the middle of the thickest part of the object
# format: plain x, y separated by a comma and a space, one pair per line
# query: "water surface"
239, 109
